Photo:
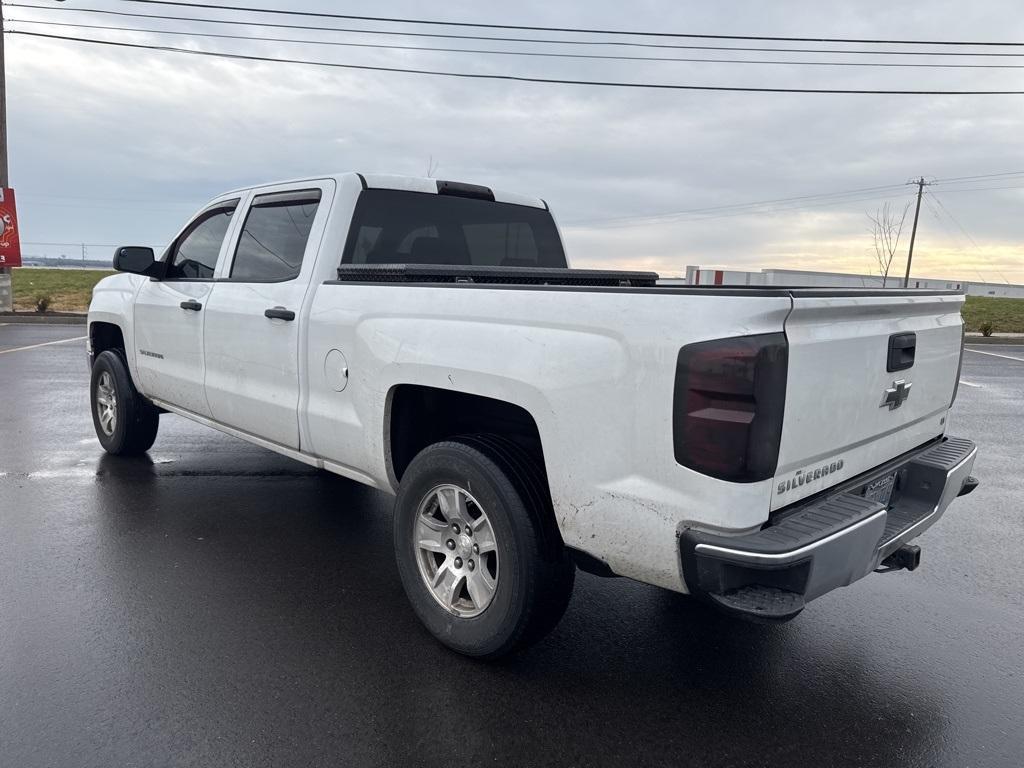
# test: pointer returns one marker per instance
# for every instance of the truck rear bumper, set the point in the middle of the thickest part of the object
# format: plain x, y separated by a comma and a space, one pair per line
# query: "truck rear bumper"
832, 540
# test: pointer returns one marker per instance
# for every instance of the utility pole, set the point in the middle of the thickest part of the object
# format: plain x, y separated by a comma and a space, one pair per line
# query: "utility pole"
6, 289
3, 108
921, 184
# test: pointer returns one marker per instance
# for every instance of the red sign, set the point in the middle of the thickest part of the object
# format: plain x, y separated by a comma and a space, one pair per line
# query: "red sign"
10, 245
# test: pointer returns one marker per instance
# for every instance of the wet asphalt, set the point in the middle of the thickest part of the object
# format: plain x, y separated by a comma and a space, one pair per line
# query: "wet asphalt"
217, 605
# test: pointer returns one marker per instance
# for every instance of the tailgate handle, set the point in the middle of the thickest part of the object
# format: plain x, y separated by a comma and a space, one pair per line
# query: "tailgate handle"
902, 347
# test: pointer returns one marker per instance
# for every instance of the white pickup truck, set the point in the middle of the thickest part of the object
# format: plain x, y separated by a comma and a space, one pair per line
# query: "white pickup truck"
753, 447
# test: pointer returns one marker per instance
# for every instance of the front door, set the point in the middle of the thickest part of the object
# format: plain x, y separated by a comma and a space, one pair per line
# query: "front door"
169, 312
254, 317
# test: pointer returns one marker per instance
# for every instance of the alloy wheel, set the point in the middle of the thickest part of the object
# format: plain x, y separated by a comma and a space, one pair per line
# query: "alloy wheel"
456, 550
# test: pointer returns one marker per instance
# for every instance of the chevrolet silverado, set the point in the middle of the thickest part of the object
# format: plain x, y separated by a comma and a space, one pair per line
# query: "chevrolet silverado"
753, 447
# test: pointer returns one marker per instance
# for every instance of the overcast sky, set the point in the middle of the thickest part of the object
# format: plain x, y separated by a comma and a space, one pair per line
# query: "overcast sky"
112, 146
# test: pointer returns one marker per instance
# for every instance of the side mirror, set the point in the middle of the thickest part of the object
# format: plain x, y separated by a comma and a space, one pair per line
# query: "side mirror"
136, 259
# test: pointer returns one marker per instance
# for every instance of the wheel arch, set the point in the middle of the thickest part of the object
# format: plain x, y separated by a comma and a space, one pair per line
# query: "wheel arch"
418, 415
104, 335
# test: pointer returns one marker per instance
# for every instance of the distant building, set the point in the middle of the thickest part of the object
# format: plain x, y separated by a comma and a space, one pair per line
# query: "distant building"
795, 277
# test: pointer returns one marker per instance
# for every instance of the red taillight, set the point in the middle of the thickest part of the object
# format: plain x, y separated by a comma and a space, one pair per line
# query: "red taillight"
730, 396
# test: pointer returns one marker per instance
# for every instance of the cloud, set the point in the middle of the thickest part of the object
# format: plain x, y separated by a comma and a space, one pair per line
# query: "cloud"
111, 145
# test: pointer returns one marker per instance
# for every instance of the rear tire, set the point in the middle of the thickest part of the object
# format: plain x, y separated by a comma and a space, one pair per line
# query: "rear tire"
126, 423
506, 581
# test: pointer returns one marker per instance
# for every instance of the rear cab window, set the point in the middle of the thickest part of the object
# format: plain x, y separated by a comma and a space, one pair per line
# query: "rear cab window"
401, 227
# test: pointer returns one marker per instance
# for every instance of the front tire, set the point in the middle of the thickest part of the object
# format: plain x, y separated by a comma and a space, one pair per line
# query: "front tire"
483, 568
126, 423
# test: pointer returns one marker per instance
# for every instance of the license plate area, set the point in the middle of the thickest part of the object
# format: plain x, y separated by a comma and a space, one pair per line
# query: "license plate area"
880, 489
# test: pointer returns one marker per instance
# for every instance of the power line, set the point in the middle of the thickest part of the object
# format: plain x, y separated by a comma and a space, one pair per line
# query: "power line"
33, 196
544, 54
518, 78
169, 207
979, 189
955, 221
952, 235
485, 38
71, 245
974, 178
934, 210
755, 204
752, 211
574, 30
781, 205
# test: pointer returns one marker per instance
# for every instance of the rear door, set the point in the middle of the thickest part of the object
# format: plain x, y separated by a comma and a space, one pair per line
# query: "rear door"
870, 377
169, 312
254, 320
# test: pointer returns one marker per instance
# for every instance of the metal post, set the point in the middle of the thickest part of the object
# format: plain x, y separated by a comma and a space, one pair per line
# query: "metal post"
6, 289
3, 108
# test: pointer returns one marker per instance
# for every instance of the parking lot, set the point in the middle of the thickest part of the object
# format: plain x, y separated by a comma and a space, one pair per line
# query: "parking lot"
217, 605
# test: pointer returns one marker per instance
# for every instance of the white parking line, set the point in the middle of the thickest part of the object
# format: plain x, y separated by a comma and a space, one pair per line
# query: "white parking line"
970, 384
993, 354
47, 344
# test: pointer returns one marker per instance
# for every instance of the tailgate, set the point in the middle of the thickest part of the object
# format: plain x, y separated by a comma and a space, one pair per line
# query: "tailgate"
846, 411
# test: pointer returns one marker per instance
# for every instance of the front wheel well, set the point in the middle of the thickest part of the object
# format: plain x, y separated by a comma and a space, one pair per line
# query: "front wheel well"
104, 336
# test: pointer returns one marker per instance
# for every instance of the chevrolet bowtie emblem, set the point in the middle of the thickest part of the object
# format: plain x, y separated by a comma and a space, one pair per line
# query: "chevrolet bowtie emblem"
896, 395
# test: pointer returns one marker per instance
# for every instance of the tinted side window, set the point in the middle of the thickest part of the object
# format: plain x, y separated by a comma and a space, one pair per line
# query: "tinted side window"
194, 253
273, 240
398, 227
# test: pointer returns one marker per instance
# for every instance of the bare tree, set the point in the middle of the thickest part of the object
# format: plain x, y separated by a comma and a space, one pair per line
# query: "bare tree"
886, 229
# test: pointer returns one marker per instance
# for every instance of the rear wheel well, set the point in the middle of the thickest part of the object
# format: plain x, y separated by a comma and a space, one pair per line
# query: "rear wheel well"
105, 336
420, 416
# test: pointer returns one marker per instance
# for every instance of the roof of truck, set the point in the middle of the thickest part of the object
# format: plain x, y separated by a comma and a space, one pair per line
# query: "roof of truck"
406, 183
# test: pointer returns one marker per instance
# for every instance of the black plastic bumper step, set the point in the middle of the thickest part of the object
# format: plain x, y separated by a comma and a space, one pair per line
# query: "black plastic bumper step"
809, 524
922, 485
769, 603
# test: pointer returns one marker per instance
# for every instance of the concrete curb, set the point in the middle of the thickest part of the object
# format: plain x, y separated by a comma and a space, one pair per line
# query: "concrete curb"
1017, 340
39, 319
